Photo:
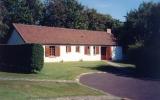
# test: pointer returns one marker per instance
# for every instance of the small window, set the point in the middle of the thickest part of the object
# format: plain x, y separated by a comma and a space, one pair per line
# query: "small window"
68, 48
52, 50
77, 48
96, 49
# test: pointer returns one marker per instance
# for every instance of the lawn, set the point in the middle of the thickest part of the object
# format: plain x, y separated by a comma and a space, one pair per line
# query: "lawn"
23, 90
19, 90
65, 71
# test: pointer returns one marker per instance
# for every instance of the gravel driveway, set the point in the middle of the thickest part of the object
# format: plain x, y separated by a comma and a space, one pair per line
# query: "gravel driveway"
125, 87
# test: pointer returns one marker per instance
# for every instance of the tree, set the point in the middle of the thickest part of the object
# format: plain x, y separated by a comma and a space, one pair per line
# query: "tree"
140, 23
3, 26
97, 21
142, 30
20, 11
23, 11
64, 13
71, 14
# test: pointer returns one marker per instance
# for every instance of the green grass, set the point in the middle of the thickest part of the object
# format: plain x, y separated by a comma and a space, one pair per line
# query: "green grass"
23, 90
62, 71
66, 71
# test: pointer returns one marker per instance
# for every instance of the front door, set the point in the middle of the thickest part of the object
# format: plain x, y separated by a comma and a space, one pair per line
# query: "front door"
106, 53
103, 53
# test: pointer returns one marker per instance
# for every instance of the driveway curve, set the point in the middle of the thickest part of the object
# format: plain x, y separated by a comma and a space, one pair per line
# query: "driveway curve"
125, 87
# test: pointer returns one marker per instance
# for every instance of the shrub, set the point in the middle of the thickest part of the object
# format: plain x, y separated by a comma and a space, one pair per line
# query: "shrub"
21, 58
146, 60
37, 57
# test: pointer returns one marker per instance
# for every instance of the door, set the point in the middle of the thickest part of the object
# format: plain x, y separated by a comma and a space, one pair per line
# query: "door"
106, 53
103, 53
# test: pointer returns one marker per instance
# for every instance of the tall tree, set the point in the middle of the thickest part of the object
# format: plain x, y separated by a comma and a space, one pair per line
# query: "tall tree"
97, 21
142, 30
3, 26
142, 23
64, 13
21, 11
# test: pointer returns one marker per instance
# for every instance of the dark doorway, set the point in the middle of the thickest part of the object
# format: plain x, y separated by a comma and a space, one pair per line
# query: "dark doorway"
106, 53
103, 53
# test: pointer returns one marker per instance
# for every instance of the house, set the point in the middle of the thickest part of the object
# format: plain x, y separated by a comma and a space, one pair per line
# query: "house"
62, 44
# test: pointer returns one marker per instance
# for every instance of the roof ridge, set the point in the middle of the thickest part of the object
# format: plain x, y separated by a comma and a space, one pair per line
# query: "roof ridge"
15, 24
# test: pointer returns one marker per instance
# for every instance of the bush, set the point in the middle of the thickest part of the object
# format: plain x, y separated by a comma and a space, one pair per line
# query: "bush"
21, 58
146, 59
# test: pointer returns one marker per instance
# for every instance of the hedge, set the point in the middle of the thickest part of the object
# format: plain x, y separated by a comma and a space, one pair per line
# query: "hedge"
22, 58
147, 60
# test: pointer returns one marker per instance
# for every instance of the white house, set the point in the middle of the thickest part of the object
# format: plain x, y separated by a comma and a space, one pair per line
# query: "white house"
62, 44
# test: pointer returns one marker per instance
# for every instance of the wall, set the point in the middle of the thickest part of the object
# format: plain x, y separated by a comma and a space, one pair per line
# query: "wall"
116, 53
15, 38
73, 55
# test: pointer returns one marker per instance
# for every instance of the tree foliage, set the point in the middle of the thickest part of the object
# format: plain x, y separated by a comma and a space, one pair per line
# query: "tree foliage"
3, 26
64, 13
71, 14
143, 24
58, 13
23, 11
142, 31
18, 11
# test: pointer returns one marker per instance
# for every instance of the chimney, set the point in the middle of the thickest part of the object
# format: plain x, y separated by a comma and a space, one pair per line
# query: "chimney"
109, 31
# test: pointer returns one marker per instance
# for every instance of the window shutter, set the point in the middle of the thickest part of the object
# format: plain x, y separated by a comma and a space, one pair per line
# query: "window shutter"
85, 50
47, 51
69, 48
97, 50
57, 51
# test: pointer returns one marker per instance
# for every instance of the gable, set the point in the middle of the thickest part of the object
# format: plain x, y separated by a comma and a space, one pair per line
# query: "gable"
15, 38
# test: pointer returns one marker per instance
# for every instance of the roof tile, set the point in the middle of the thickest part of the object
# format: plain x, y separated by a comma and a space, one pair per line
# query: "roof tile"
55, 35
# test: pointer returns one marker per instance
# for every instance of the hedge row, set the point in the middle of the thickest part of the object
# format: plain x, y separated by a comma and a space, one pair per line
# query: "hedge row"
147, 60
21, 58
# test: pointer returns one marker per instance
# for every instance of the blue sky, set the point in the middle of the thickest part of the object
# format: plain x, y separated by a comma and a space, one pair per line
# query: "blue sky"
116, 8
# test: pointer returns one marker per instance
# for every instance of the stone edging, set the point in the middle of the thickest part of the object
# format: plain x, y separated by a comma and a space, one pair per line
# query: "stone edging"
79, 76
37, 80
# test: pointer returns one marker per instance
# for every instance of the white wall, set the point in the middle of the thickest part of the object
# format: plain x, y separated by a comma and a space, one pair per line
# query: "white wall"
15, 39
73, 55
116, 53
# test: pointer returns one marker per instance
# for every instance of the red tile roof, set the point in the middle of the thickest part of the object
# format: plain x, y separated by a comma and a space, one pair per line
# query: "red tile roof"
63, 36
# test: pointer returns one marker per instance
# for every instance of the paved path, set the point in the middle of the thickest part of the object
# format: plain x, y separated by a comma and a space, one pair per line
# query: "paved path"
125, 87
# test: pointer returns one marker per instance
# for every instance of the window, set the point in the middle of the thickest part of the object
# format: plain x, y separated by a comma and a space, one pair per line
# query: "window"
68, 48
52, 50
96, 50
77, 48
87, 50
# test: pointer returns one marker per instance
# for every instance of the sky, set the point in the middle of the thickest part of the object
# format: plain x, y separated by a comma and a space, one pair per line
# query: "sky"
116, 8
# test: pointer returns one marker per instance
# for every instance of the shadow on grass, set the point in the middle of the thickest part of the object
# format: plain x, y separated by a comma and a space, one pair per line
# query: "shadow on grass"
124, 72
14, 69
